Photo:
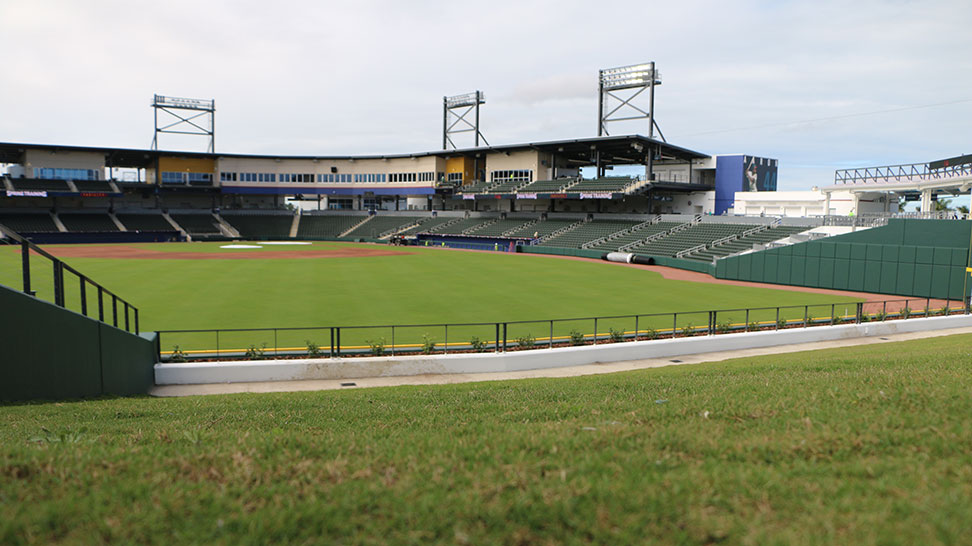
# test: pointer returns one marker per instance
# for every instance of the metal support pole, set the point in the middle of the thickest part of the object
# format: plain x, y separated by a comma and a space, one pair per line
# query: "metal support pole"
25, 261
777, 318
551, 334
496, 343
217, 343
126, 316
57, 285
114, 310
101, 304
595, 330
332, 342
276, 350
747, 320
445, 346
445, 122
339, 341
831, 314
504, 337
860, 312
674, 324
600, 102
651, 103
136, 322
637, 331
393, 341
478, 94
84, 297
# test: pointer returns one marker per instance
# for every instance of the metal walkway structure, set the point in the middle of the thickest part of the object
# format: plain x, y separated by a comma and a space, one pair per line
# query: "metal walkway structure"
952, 176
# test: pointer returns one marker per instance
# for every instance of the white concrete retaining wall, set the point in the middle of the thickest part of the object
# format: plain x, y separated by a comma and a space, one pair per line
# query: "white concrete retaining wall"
351, 368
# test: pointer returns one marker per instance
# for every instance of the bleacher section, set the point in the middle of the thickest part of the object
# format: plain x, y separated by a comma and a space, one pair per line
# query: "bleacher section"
259, 225
589, 231
506, 187
547, 186
379, 225
695, 235
33, 184
200, 224
314, 226
144, 222
500, 227
93, 186
741, 244
459, 227
21, 222
607, 184
87, 223
635, 235
427, 224
541, 229
474, 187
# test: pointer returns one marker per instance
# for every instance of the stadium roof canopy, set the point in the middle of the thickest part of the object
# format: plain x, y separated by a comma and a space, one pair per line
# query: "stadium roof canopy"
614, 150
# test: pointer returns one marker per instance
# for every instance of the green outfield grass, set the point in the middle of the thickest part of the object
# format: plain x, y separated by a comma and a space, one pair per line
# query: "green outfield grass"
863, 445
415, 286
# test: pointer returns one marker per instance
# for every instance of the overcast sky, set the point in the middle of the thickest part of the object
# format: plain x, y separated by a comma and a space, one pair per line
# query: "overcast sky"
795, 81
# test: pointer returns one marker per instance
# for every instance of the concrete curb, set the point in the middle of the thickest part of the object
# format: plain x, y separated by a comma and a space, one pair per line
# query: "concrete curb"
465, 363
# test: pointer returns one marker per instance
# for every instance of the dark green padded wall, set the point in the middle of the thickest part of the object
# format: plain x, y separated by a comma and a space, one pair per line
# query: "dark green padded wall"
52, 353
924, 258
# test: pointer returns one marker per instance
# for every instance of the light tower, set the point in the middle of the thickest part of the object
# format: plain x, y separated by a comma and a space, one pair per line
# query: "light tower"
454, 111
200, 123
638, 78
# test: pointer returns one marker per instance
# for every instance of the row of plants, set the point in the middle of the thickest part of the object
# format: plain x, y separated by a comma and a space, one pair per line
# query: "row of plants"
378, 346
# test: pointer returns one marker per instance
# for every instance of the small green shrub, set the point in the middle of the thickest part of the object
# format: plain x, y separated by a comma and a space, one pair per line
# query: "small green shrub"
526, 342
428, 344
477, 345
943, 311
906, 312
651, 333
724, 327
927, 312
377, 346
780, 323
752, 326
576, 338
313, 349
256, 353
617, 336
688, 330
177, 355
880, 316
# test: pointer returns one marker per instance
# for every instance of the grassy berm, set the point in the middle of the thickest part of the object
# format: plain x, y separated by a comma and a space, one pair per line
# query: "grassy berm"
856, 446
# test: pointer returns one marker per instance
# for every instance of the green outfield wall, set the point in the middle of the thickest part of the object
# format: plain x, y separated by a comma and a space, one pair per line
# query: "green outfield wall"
47, 352
923, 258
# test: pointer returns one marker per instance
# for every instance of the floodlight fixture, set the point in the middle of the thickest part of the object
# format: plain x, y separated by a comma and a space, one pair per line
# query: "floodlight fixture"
468, 99
200, 123
627, 77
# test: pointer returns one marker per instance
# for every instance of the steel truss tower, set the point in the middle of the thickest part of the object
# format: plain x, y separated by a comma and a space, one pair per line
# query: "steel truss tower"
192, 117
454, 111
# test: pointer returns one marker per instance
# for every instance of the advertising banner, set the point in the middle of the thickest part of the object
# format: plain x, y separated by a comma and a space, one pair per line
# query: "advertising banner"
26, 193
596, 195
526, 196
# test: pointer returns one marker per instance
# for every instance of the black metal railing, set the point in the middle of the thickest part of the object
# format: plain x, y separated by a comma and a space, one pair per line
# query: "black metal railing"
391, 340
105, 301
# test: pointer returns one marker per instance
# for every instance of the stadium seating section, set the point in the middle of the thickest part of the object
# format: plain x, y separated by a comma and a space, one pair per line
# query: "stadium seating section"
589, 231
608, 184
31, 184
692, 236
547, 186
379, 225
197, 224
94, 186
476, 186
541, 229
259, 225
745, 243
427, 224
460, 226
505, 187
20, 222
613, 243
500, 227
313, 226
87, 223
144, 222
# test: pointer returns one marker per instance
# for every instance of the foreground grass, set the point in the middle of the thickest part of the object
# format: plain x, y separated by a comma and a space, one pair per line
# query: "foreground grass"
852, 446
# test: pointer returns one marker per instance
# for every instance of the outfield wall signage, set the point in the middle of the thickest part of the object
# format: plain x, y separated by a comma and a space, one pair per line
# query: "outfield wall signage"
597, 195
526, 196
20, 193
468, 196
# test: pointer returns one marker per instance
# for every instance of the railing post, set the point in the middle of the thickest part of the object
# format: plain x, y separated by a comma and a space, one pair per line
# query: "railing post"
777, 318
806, 315
101, 304
126, 316
332, 342
595, 330
712, 322
636, 328
496, 343
217, 343
58, 298
884, 310
338, 341
114, 310
551, 334
860, 311
504, 337
136, 321
832, 308
674, 324
445, 346
276, 350
747, 320
25, 264
84, 297
393, 341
